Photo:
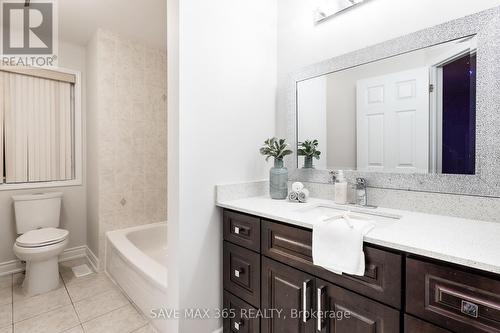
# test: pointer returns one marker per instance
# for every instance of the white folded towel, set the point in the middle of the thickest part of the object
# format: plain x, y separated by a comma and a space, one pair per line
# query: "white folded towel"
293, 196
303, 195
337, 244
297, 186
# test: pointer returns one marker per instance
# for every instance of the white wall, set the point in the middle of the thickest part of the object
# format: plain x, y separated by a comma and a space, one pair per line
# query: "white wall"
173, 240
227, 80
92, 162
301, 42
73, 213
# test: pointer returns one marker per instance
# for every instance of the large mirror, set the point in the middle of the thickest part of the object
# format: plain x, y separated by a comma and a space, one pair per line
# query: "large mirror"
410, 113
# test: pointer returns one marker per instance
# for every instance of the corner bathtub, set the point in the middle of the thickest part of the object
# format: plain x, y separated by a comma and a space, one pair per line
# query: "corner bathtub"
136, 258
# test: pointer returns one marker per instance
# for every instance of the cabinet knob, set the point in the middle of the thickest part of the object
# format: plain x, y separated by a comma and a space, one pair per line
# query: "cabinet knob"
237, 272
470, 309
240, 230
237, 325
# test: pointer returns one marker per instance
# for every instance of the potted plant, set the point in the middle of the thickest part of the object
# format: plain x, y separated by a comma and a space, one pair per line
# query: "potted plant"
309, 149
278, 175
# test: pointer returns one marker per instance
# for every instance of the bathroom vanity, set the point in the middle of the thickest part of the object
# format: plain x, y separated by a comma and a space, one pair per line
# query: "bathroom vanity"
419, 285
385, 114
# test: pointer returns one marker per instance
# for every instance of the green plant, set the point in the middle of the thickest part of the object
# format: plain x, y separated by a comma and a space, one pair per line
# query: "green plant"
274, 147
309, 148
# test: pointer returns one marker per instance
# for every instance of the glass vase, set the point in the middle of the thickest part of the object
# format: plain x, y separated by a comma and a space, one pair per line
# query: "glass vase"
278, 180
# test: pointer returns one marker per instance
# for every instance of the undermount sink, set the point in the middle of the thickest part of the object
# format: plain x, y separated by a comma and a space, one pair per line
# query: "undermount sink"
327, 211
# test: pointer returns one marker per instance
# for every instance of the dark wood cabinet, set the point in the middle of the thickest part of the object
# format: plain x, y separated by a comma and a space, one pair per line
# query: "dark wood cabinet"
268, 268
291, 292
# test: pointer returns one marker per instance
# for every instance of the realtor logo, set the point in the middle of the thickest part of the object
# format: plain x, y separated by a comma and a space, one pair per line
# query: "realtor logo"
29, 33
27, 28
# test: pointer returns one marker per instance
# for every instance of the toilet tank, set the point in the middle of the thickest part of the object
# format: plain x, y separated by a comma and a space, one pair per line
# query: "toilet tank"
34, 211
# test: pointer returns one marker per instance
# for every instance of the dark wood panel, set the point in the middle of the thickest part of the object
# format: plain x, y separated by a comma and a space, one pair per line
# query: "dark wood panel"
287, 290
242, 229
293, 246
452, 298
414, 325
242, 273
347, 312
243, 321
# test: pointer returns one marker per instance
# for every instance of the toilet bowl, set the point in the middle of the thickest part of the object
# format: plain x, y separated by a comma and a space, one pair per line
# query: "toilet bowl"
41, 254
41, 241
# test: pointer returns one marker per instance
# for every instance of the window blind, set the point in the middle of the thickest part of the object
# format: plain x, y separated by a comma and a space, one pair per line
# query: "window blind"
38, 128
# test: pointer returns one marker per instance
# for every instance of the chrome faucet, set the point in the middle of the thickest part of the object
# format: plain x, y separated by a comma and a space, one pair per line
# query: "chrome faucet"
361, 197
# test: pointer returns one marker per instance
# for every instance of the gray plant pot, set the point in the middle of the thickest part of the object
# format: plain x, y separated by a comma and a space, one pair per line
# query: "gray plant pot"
308, 162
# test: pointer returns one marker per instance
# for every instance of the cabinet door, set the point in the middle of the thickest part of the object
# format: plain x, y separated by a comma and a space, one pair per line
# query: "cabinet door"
289, 291
414, 325
242, 273
341, 311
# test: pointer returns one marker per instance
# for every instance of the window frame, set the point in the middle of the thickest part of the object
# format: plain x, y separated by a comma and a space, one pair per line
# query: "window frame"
78, 143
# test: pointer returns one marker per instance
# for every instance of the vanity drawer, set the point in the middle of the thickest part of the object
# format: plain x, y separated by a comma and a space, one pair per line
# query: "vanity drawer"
242, 229
456, 299
242, 273
293, 246
241, 323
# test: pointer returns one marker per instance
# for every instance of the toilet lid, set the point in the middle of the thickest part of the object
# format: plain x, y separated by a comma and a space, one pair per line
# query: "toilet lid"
42, 237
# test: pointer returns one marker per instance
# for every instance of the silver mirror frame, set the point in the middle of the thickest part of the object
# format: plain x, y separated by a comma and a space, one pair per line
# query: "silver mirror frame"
486, 181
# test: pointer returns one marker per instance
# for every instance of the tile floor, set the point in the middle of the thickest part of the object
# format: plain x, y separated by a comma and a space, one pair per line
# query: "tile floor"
90, 304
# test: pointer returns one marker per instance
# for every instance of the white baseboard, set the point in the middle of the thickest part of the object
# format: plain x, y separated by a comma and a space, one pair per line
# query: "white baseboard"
92, 258
12, 266
73, 253
16, 266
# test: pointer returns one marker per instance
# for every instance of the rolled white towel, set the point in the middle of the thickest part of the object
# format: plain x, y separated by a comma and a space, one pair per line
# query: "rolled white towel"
293, 196
303, 195
297, 186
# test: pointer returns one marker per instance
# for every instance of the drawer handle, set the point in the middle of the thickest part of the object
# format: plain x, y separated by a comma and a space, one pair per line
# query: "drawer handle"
305, 316
237, 325
470, 309
238, 272
240, 231
319, 295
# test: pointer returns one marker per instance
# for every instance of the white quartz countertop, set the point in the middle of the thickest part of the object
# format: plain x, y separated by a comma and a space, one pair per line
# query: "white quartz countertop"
465, 242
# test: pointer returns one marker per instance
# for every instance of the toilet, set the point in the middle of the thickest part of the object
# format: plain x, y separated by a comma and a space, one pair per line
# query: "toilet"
41, 241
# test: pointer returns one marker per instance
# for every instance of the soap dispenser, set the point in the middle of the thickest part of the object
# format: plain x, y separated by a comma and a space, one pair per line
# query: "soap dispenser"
341, 189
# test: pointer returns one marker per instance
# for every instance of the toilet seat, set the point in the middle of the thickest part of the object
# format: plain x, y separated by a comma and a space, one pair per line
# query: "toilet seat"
42, 237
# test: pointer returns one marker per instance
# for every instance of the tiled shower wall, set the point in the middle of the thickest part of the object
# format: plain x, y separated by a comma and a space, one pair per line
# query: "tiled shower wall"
130, 113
